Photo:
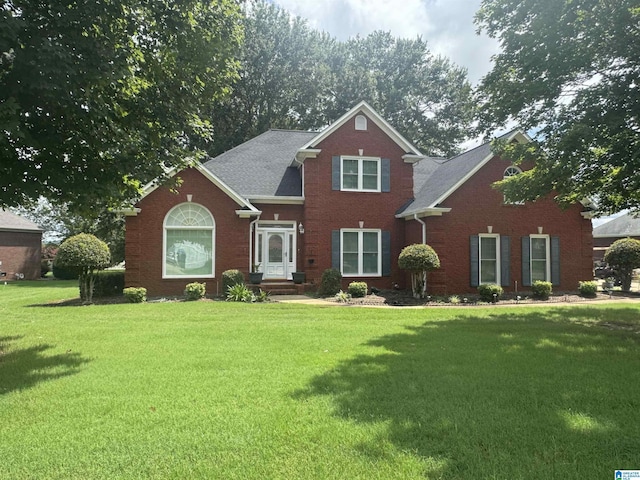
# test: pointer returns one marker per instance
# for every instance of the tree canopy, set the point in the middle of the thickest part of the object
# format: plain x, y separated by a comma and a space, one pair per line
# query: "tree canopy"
98, 96
569, 72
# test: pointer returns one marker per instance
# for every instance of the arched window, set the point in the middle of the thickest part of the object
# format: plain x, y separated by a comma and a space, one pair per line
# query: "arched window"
512, 171
189, 242
361, 122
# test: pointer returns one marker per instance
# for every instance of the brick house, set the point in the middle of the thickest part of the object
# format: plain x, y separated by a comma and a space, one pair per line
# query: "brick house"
351, 197
620, 227
20, 247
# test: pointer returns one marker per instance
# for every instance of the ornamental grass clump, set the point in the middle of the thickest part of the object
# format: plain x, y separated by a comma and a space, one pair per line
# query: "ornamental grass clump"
84, 255
418, 259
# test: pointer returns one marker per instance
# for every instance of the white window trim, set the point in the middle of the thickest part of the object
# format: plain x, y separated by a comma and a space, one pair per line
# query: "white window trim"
498, 266
360, 160
548, 257
211, 228
360, 231
504, 175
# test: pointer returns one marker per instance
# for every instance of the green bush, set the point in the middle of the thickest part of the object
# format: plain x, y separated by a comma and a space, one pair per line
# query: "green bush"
342, 297
230, 278
541, 290
108, 283
44, 268
135, 294
358, 289
623, 256
261, 296
62, 272
195, 291
418, 259
330, 283
588, 289
488, 290
239, 292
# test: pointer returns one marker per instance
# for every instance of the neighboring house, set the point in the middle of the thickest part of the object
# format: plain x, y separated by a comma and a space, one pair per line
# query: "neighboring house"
20, 247
620, 227
351, 197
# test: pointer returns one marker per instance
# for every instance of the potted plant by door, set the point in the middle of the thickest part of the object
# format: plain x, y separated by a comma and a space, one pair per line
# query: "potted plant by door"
298, 277
255, 276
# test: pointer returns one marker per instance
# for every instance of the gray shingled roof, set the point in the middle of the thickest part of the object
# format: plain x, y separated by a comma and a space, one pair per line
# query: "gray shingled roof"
434, 177
261, 166
12, 222
622, 226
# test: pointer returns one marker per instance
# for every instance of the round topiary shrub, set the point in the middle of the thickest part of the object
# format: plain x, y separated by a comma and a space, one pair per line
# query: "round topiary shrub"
541, 290
330, 283
358, 289
418, 259
84, 254
623, 256
490, 292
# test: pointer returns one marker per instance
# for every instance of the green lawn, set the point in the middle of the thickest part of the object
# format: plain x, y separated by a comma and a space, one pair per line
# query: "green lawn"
221, 390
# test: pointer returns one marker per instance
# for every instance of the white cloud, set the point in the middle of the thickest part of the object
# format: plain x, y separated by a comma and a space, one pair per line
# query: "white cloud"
447, 25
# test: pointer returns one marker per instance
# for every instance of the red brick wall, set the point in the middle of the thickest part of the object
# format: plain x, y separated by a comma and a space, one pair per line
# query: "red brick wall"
144, 234
326, 210
20, 252
475, 205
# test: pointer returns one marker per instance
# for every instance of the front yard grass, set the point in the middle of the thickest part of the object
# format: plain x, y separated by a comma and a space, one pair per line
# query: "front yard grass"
246, 391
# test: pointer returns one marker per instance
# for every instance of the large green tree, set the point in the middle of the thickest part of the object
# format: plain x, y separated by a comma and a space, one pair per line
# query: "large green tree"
97, 96
293, 76
569, 72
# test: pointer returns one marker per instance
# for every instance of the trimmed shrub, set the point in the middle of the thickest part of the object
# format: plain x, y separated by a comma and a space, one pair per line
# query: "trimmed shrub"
488, 290
330, 283
588, 289
418, 259
623, 256
195, 291
239, 292
358, 289
541, 290
62, 272
230, 278
108, 283
135, 294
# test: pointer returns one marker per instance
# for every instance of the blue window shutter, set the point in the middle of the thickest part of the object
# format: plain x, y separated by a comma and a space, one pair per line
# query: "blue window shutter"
555, 260
335, 249
335, 173
526, 262
386, 253
505, 261
385, 181
474, 251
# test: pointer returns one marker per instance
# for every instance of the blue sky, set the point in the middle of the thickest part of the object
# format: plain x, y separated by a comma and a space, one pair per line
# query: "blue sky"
447, 25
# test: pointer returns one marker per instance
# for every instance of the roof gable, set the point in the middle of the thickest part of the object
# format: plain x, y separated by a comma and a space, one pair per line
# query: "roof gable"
623, 226
365, 109
12, 222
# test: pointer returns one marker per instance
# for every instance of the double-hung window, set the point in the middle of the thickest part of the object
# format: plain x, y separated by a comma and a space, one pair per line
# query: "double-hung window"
361, 174
489, 258
540, 253
511, 171
361, 253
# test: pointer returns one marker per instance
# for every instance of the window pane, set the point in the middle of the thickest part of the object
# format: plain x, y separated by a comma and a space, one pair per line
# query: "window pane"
538, 248
350, 167
275, 249
488, 248
369, 167
349, 263
350, 242
370, 263
488, 271
370, 242
189, 252
369, 182
538, 270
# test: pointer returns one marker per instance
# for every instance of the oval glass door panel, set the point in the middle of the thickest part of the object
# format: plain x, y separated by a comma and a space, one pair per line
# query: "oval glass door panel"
275, 248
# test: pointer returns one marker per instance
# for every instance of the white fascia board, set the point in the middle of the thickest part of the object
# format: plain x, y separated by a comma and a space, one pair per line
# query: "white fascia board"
150, 187
365, 108
303, 154
516, 135
411, 158
427, 212
248, 213
275, 200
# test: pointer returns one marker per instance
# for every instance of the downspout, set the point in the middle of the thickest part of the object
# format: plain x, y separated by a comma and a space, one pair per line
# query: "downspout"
251, 230
424, 227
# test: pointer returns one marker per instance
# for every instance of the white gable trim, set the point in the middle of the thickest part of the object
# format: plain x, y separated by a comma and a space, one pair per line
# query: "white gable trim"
366, 109
516, 135
242, 202
426, 212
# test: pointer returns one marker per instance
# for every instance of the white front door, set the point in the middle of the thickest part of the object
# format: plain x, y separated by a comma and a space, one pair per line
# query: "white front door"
276, 251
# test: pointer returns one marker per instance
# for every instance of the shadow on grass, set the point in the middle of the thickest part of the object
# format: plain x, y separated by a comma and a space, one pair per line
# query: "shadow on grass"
549, 394
22, 368
43, 283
